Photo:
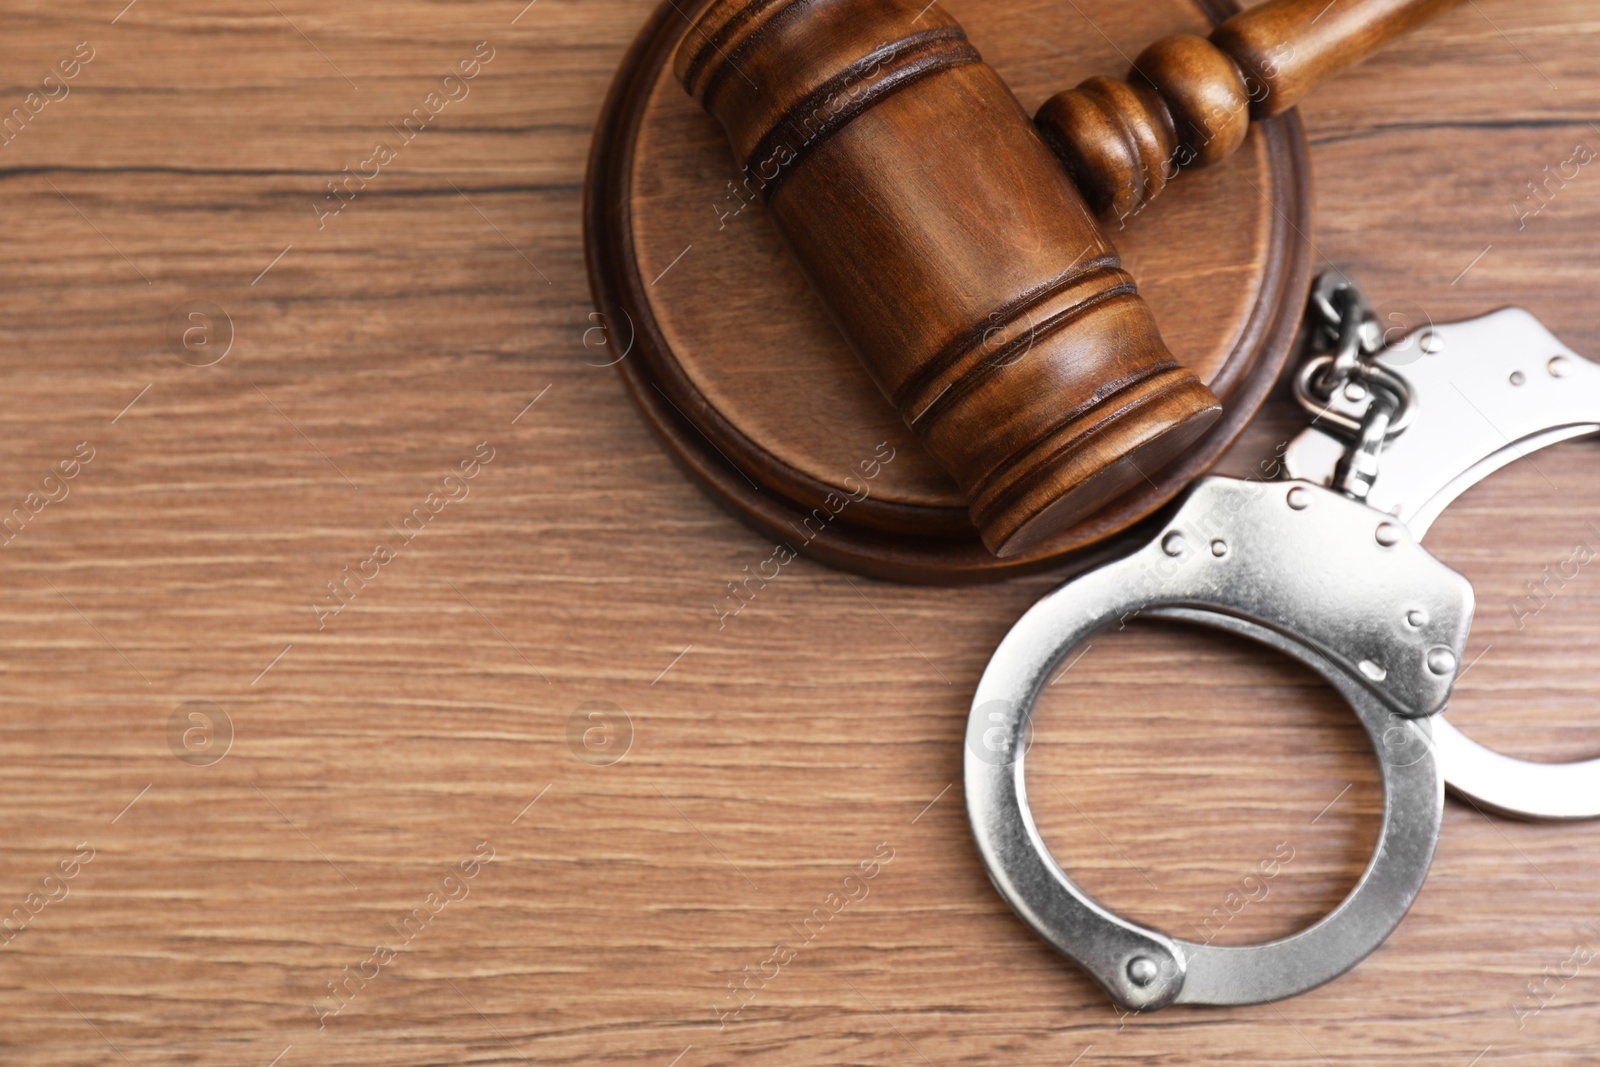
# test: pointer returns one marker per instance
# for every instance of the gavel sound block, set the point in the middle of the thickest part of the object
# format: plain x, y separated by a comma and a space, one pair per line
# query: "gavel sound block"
732, 359
953, 252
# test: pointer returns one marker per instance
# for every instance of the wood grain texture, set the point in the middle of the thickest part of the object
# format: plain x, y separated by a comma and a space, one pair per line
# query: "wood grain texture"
1289, 46
769, 758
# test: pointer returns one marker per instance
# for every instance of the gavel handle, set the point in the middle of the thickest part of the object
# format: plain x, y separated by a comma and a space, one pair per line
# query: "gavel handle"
1189, 100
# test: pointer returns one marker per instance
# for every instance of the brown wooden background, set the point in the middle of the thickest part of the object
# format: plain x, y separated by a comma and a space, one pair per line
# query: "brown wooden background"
768, 759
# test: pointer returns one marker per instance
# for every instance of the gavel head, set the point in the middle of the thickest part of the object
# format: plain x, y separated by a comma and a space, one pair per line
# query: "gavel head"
952, 250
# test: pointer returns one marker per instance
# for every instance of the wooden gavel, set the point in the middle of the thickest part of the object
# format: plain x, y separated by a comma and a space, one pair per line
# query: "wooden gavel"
957, 254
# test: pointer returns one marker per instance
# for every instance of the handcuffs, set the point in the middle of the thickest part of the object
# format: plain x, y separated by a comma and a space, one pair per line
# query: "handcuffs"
1325, 566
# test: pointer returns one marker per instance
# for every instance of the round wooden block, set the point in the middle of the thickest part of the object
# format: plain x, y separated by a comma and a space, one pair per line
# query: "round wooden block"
733, 361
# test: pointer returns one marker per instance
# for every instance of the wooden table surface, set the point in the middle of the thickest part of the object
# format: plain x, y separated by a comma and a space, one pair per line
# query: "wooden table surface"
245, 821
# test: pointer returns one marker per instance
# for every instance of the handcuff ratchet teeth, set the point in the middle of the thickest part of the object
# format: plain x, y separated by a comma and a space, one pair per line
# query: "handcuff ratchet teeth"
1325, 567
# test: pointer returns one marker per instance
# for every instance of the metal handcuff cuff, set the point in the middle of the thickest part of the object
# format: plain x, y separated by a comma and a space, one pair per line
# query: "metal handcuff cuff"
1326, 567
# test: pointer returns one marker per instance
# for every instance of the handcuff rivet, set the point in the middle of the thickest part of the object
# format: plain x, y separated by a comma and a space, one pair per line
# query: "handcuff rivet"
1388, 535
1560, 367
1219, 548
1416, 618
1142, 970
1299, 498
1355, 392
1517, 377
1173, 544
1372, 670
1441, 660
1432, 343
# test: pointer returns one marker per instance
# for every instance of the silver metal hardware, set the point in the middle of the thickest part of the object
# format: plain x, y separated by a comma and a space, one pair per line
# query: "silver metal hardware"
1345, 339
1485, 392
1358, 469
1469, 418
1283, 579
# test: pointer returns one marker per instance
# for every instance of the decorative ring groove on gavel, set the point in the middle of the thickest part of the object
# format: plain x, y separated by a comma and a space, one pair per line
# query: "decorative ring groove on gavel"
819, 110
1189, 100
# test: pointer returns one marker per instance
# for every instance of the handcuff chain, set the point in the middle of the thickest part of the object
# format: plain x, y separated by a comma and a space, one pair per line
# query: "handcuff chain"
1345, 341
